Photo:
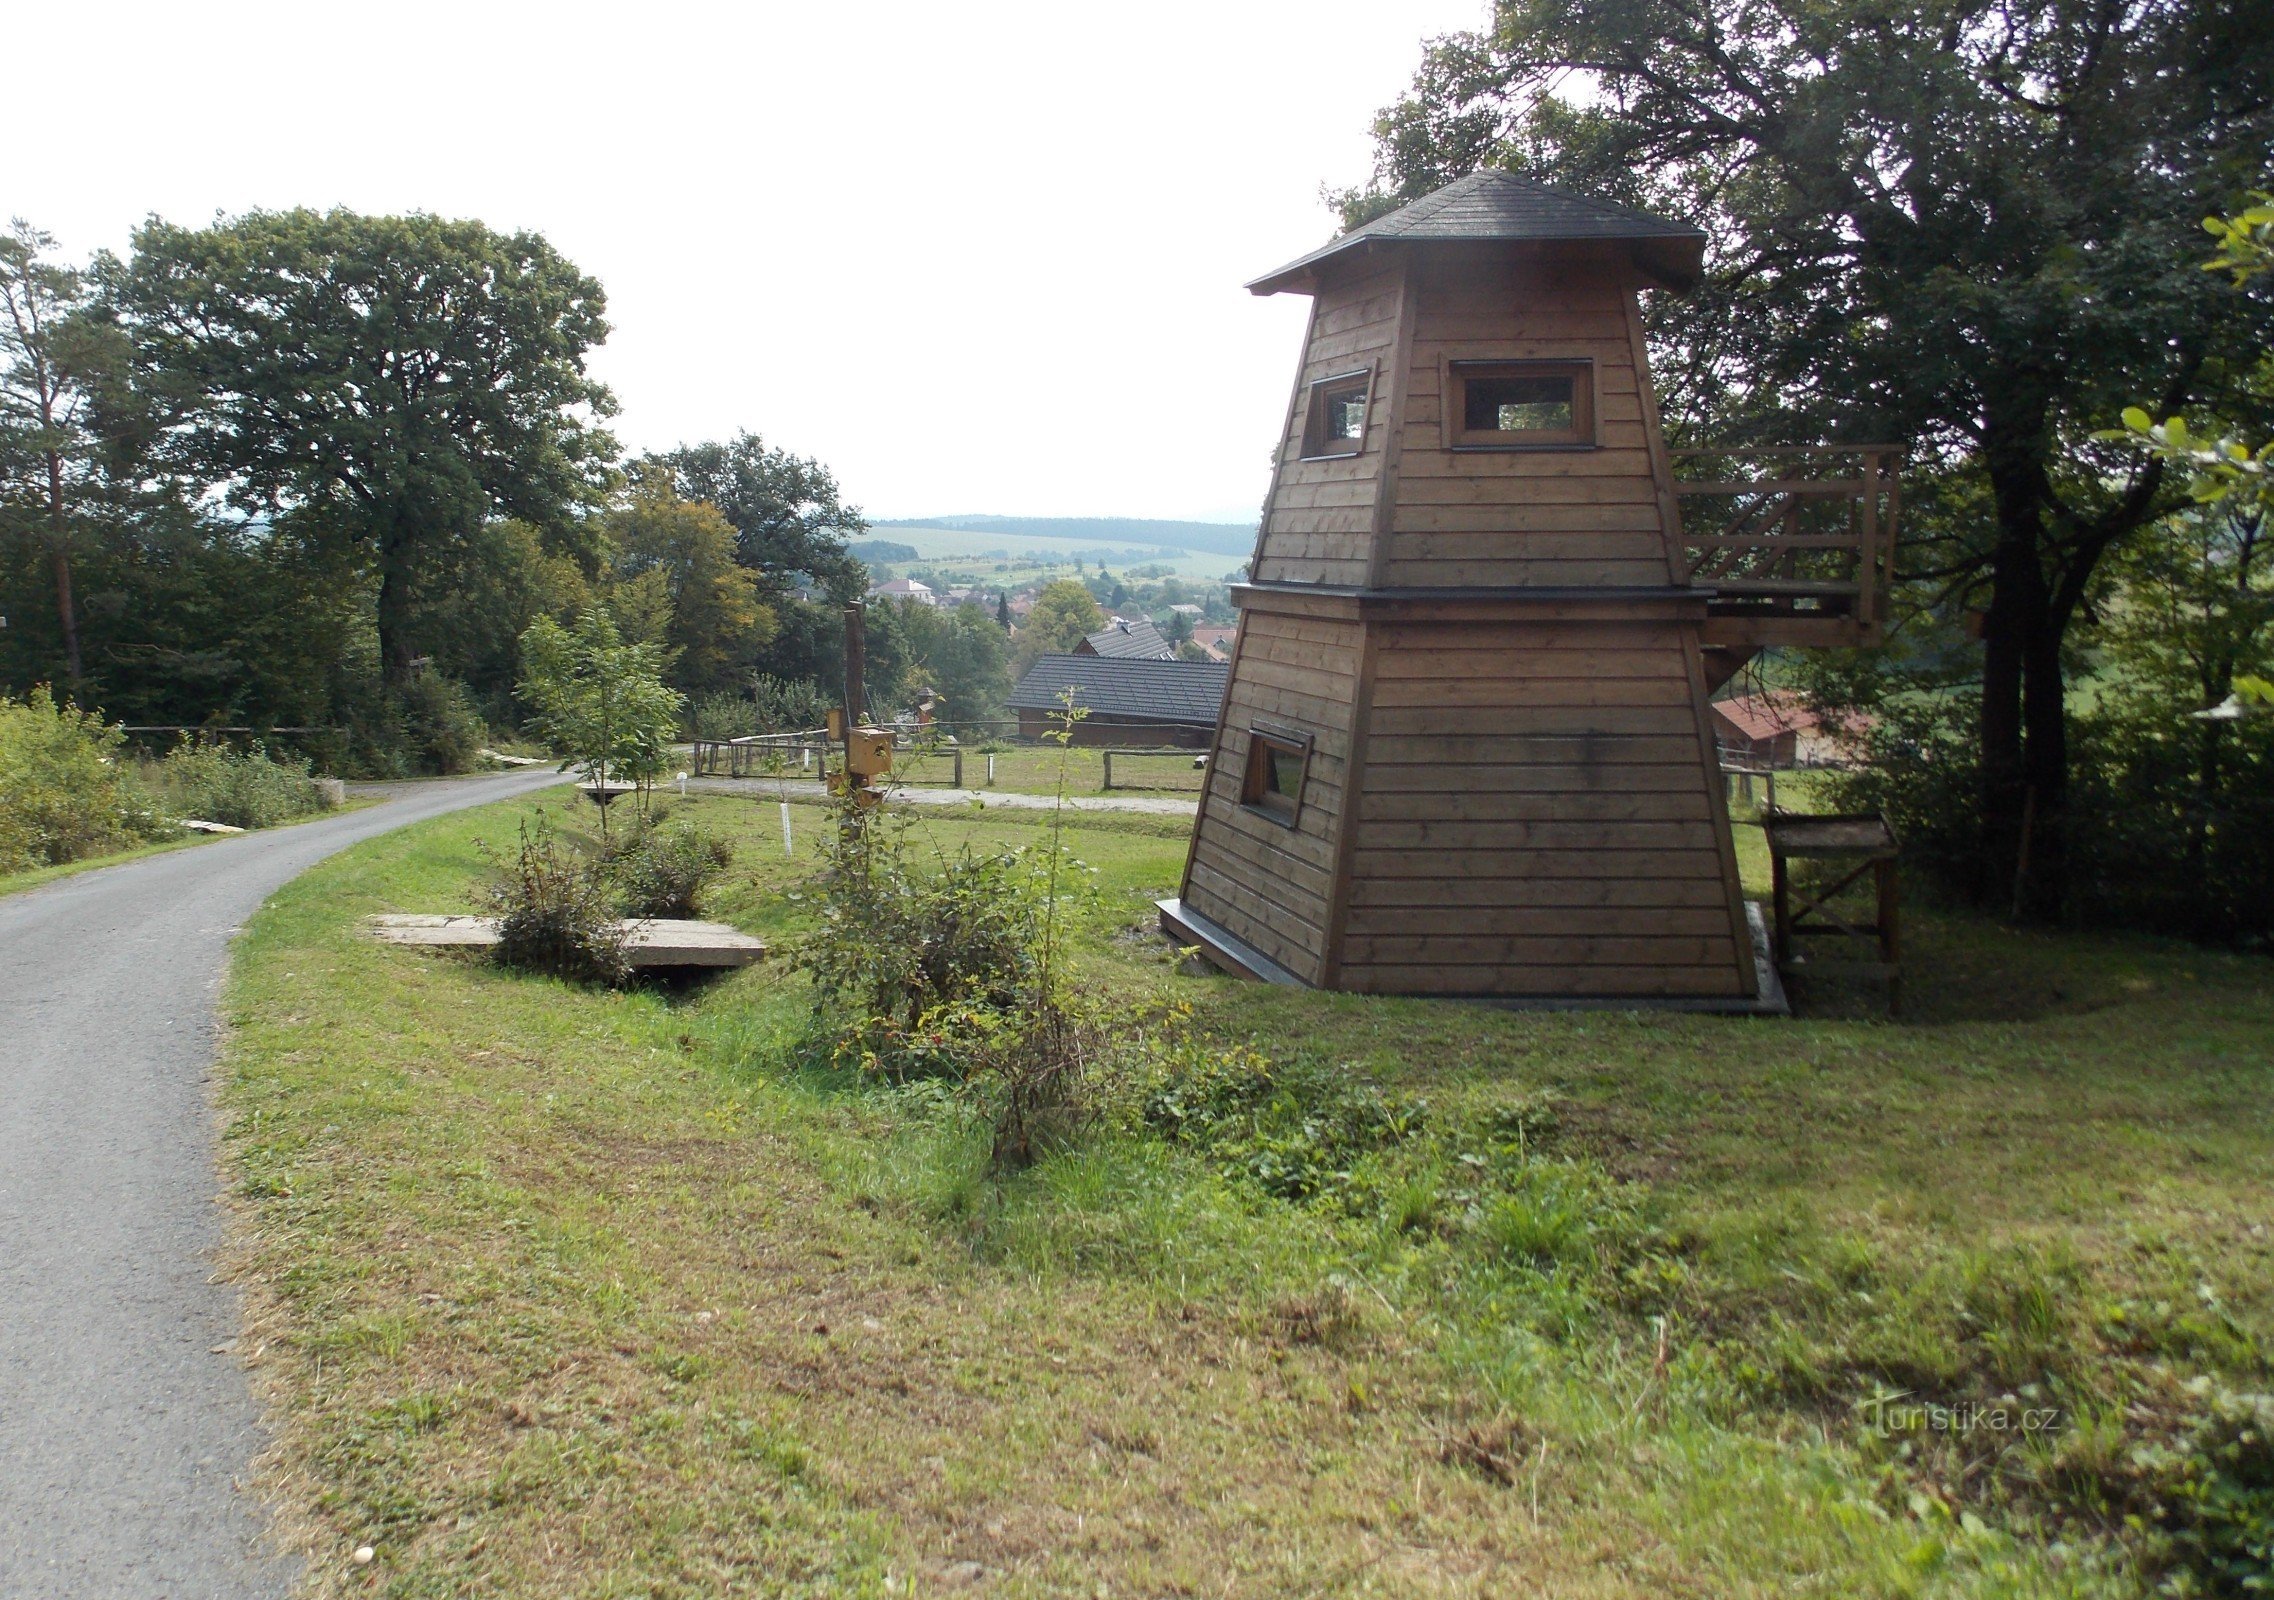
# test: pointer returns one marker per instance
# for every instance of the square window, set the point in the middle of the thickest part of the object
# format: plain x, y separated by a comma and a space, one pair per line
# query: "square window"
1273, 781
1334, 421
1514, 405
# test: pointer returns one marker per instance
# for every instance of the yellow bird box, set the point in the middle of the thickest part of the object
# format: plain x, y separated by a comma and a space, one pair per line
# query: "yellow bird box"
868, 752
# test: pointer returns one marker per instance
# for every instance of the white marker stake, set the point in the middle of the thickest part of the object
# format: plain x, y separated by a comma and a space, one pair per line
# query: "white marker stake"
787, 847
990, 772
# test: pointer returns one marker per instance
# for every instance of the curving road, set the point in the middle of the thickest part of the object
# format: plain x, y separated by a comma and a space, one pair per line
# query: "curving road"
123, 1428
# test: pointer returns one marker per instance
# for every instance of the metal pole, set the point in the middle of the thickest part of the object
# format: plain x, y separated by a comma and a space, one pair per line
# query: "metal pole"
856, 690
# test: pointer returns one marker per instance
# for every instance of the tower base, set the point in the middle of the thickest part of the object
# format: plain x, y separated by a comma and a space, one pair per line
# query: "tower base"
1227, 952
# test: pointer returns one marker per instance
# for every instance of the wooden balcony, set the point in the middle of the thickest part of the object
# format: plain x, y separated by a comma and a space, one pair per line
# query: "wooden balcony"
1796, 542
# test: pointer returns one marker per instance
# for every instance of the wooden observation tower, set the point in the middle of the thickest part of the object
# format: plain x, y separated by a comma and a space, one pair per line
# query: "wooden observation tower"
1464, 748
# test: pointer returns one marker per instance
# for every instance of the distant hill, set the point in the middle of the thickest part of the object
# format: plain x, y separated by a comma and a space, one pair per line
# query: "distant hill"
1218, 538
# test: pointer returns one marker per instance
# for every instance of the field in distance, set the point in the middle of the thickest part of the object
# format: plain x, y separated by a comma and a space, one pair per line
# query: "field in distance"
992, 553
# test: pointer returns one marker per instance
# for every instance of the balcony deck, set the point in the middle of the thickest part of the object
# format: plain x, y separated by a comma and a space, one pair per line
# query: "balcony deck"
1796, 541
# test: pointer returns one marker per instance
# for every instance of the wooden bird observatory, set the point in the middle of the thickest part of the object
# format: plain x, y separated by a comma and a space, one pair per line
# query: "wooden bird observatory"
1464, 746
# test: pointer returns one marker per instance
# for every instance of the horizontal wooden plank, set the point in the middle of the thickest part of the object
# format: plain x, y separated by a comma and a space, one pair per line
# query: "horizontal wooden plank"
1548, 573
1388, 779
1452, 532
1611, 724
1520, 689
1537, 921
1607, 982
1478, 805
1267, 911
1470, 490
1493, 835
1400, 641
1341, 492
1528, 660
1305, 569
1427, 457
1604, 863
1389, 748
1465, 949
1453, 890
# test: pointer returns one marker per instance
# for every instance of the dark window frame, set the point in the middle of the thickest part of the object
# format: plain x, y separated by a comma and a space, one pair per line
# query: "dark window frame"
1259, 789
1581, 435
1317, 444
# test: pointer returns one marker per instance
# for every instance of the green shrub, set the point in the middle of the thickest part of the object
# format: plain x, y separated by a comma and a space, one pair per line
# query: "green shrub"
442, 732
2170, 820
662, 871
896, 944
63, 794
244, 789
556, 910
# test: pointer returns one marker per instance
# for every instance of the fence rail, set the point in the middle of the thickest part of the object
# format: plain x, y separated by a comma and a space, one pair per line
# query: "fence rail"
1195, 761
1804, 531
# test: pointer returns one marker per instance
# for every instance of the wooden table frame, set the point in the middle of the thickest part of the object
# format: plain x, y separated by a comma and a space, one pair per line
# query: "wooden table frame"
1867, 839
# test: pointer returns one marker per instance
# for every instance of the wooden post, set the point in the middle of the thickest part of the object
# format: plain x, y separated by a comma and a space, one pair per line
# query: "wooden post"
856, 688
959, 766
1109, 769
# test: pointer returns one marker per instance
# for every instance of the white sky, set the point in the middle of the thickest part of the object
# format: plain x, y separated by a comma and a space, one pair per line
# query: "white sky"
812, 221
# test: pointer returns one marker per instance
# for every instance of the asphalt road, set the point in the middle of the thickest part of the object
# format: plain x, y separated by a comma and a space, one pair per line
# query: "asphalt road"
124, 1431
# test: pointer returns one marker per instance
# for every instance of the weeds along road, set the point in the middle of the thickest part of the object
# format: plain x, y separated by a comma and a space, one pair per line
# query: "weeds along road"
125, 1419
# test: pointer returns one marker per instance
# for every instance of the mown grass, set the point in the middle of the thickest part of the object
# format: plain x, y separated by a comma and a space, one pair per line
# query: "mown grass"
573, 1293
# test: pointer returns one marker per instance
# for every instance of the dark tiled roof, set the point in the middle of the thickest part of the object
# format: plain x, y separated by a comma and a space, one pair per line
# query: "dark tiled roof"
1499, 206
1183, 692
1138, 641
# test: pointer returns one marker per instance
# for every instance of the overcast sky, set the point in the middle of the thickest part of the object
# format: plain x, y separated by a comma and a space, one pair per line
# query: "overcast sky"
1026, 225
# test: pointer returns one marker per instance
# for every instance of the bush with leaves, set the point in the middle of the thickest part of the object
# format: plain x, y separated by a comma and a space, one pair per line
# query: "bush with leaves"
661, 870
442, 731
241, 788
556, 910
897, 944
63, 794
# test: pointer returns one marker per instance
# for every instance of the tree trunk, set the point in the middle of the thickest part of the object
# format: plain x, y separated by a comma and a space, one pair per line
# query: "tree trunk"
394, 604
2041, 877
2024, 734
59, 557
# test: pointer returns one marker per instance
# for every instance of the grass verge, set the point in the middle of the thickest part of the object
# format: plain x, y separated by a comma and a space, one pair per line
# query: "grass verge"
564, 1292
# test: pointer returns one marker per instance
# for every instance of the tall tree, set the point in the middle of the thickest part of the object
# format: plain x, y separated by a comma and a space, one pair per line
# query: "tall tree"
50, 355
789, 516
717, 622
1064, 614
391, 382
1965, 224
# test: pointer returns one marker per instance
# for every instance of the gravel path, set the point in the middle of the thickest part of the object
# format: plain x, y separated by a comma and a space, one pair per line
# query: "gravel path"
125, 1418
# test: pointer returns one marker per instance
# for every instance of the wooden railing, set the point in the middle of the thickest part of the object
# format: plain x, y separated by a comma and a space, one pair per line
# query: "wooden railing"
1798, 532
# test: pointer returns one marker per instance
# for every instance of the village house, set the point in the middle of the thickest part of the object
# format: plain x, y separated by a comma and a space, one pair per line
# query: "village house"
1134, 640
1129, 701
904, 589
1778, 730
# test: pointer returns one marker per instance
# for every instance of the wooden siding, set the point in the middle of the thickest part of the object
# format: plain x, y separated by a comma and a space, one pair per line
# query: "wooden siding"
1319, 524
1535, 817
1566, 516
1269, 884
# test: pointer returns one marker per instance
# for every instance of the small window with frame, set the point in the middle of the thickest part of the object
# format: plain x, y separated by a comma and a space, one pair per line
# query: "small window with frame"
1334, 418
1520, 405
1273, 781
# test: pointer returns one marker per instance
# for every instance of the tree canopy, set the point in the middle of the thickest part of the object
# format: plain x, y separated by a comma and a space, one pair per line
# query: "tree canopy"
790, 520
1965, 226
387, 383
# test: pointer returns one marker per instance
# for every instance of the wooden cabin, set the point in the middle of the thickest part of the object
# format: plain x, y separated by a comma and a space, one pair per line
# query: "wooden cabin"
1465, 748
1125, 700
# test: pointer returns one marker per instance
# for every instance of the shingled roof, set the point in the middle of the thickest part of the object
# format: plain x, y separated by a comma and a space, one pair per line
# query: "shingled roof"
1494, 206
1187, 693
1136, 640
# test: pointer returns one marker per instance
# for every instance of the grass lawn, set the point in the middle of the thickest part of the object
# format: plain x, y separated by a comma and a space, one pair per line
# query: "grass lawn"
571, 1293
